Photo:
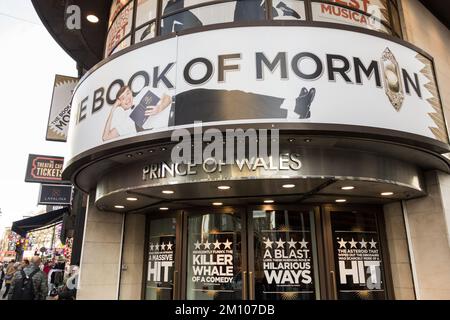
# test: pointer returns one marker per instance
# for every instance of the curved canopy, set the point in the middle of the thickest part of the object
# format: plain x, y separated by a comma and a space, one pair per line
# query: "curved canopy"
86, 45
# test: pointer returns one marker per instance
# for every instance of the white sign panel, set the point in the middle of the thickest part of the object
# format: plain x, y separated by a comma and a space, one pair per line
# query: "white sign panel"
58, 120
258, 74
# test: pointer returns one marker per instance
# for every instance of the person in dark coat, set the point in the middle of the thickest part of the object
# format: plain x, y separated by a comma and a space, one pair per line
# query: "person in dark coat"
39, 280
2, 275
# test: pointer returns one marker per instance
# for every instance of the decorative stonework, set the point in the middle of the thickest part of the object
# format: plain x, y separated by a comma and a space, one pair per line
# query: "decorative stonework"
392, 80
440, 130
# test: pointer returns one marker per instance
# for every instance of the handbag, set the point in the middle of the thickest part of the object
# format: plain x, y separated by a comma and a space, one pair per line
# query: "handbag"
53, 292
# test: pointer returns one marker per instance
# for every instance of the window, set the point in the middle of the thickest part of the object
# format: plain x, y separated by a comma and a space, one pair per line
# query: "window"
148, 31
179, 15
120, 28
372, 15
288, 10
146, 11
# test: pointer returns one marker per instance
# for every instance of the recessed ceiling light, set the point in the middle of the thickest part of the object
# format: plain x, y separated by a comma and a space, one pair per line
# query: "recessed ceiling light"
341, 200
129, 156
291, 139
92, 18
269, 201
140, 153
132, 199
348, 188
224, 187
307, 140
168, 192
119, 207
288, 186
217, 203
387, 193
163, 208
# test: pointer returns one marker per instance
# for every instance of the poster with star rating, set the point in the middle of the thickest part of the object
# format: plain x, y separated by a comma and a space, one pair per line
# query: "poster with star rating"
161, 264
358, 259
287, 265
212, 262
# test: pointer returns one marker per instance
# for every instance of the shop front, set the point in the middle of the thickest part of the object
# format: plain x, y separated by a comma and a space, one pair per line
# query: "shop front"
270, 252
254, 150
310, 226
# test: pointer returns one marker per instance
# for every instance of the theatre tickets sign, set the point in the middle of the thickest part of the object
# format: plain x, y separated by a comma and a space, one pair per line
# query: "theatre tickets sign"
302, 75
44, 169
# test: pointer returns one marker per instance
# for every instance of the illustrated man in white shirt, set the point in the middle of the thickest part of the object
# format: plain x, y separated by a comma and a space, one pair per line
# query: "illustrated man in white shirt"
119, 122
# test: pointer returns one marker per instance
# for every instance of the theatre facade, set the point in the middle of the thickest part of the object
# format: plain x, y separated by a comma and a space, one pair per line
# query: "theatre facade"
259, 150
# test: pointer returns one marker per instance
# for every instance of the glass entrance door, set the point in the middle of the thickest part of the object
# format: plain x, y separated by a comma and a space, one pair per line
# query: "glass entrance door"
215, 254
355, 252
163, 257
284, 261
267, 253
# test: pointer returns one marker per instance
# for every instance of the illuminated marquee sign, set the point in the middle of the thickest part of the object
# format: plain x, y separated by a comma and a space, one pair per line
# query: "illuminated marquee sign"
303, 75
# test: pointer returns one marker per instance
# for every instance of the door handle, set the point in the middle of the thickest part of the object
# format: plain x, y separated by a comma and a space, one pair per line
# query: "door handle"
251, 284
333, 285
244, 285
175, 287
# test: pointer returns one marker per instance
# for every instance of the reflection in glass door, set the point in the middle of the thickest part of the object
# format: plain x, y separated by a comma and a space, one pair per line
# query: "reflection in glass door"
214, 255
284, 255
161, 259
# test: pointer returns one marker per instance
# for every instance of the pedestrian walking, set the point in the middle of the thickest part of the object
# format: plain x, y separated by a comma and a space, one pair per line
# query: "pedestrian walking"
29, 283
9, 274
25, 263
2, 275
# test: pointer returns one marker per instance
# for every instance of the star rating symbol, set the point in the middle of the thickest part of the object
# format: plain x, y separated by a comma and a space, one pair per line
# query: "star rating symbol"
207, 244
303, 243
292, 243
169, 246
152, 247
227, 244
353, 243
363, 243
197, 245
268, 243
216, 244
163, 247
373, 244
342, 243
280, 243
157, 247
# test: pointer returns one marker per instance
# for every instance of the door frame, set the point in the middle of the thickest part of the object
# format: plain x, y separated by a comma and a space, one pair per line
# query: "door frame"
244, 245
330, 264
